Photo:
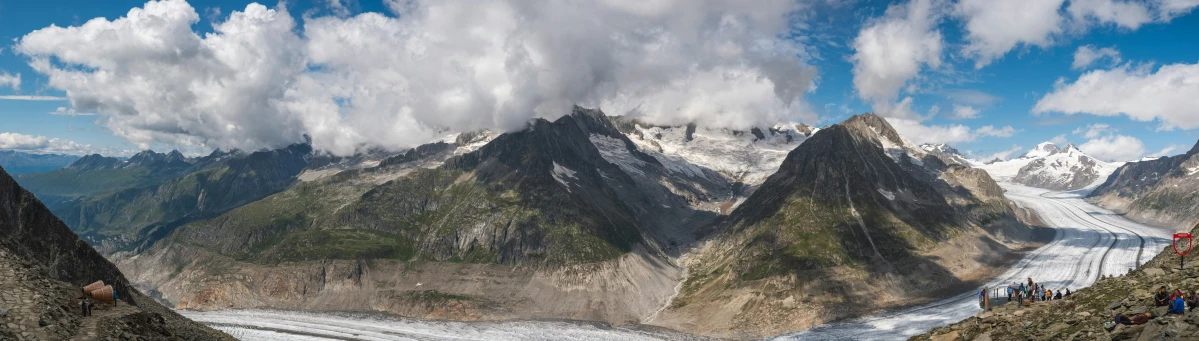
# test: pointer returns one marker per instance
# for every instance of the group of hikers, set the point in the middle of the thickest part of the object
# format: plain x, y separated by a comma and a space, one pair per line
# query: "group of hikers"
1177, 301
1032, 292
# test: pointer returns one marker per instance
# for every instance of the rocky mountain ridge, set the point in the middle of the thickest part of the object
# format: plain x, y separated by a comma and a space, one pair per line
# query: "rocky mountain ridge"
43, 265
855, 209
1159, 191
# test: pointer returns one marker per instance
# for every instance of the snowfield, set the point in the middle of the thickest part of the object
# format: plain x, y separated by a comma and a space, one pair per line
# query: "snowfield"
1090, 241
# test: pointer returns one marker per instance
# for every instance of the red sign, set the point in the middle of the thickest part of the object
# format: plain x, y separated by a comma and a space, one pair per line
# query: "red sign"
1181, 236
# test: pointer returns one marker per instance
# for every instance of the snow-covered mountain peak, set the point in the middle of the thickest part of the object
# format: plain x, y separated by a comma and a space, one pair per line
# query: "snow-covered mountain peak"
1042, 150
1053, 167
745, 156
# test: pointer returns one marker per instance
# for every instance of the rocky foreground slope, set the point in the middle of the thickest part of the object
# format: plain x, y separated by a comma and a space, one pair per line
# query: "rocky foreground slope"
1163, 191
43, 265
1082, 315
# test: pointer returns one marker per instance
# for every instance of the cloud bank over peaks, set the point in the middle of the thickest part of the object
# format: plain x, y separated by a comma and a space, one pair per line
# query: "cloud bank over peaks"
400, 79
42, 144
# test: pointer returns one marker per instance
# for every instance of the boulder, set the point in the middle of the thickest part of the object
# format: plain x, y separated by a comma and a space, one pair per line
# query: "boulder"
950, 336
1154, 272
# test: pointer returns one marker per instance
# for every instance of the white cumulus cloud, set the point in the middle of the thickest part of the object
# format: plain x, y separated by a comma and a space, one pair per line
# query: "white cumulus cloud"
1114, 148
1167, 95
41, 144
1087, 55
920, 133
1095, 130
402, 79
964, 111
994, 28
892, 50
10, 80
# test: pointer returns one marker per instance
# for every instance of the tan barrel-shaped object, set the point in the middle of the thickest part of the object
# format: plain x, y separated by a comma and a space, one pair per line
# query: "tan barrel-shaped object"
87, 290
103, 294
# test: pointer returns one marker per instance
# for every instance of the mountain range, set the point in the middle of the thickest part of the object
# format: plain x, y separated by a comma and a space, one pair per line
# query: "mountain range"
20, 163
588, 217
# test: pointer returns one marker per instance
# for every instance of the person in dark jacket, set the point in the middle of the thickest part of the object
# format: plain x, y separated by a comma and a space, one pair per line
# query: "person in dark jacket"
83, 308
1067, 292
1162, 297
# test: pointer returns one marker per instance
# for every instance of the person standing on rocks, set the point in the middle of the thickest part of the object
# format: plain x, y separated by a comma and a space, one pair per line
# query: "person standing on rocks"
83, 308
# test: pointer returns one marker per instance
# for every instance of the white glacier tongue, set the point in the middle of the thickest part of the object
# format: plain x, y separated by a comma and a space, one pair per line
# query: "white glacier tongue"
738, 155
265, 325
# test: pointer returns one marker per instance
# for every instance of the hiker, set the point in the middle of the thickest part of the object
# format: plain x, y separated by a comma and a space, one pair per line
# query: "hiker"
1162, 298
90, 305
82, 308
1067, 292
1121, 319
1143, 318
982, 298
1058, 296
1178, 306
1192, 300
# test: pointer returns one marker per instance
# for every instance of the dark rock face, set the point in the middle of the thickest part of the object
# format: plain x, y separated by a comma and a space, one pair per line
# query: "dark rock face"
32, 232
1160, 191
544, 195
55, 262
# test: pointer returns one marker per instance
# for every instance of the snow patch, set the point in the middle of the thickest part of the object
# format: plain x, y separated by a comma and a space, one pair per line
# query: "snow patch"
888, 194
735, 154
615, 151
562, 174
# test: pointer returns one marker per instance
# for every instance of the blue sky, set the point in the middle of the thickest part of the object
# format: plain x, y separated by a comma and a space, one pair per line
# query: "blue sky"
1003, 93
